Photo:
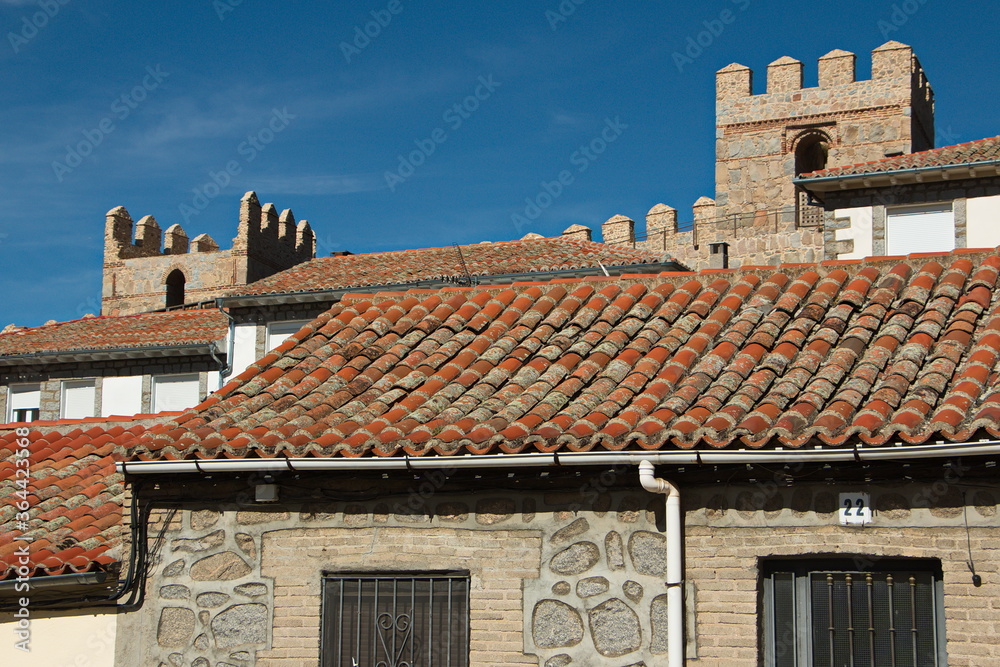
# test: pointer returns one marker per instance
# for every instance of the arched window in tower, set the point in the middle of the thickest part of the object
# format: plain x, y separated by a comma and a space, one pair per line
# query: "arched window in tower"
811, 152
175, 288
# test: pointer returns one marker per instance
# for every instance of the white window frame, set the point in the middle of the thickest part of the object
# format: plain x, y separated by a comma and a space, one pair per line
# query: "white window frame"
22, 389
70, 385
279, 332
180, 377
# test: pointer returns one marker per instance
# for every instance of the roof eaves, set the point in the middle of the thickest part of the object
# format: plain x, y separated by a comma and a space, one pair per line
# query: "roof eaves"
103, 354
843, 181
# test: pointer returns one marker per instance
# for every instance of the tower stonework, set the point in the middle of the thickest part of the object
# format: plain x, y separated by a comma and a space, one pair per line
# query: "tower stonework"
763, 141
137, 269
758, 136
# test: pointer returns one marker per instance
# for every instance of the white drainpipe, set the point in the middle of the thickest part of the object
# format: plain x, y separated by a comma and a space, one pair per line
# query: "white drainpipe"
675, 573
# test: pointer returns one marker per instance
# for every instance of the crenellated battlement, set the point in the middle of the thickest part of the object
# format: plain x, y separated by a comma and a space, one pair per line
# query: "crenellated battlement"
123, 242
764, 140
263, 232
892, 62
138, 256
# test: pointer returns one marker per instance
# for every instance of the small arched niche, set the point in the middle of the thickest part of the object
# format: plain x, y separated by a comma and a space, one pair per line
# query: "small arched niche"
175, 288
812, 150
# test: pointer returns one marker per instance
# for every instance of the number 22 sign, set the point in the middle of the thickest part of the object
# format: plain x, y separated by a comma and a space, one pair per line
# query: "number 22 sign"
855, 509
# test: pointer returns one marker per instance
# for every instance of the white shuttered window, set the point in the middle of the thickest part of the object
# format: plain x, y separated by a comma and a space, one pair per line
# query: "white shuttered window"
277, 332
79, 399
23, 402
920, 229
175, 392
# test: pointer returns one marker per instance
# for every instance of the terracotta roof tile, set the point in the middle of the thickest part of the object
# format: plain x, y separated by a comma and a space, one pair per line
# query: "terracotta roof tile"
74, 521
877, 350
424, 264
167, 329
982, 150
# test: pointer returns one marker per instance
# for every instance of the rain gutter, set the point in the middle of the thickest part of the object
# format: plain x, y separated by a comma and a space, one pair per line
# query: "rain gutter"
540, 459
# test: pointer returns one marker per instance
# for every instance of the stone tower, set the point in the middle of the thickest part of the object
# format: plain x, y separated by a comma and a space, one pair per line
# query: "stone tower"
140, 276
764, 140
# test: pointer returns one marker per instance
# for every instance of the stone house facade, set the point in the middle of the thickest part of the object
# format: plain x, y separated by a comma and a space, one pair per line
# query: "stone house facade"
933, 200
562, 575
105, 366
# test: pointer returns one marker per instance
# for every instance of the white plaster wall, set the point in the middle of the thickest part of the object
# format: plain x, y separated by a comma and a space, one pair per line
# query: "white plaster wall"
245, 349
121, 396
983, 222
62, 639
860, 231
213, 382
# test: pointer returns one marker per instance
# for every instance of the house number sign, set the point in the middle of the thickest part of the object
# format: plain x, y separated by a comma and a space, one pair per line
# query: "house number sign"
855, 509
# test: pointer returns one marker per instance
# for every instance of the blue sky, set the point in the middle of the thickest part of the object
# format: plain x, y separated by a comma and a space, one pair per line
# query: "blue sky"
163, 97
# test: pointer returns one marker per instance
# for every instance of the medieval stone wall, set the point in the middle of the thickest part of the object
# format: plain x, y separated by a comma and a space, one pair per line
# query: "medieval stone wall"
136, 267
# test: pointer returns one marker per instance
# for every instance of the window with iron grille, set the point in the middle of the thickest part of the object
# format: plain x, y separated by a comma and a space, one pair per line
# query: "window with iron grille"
860, 612
396, 620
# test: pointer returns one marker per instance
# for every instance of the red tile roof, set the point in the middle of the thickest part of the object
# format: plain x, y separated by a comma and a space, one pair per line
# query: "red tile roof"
481, 259
983, 150
876, 351
74, 498
168, 329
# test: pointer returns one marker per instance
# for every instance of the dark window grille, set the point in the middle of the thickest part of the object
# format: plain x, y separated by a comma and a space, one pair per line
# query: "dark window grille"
26, 414
396, 620
834, 613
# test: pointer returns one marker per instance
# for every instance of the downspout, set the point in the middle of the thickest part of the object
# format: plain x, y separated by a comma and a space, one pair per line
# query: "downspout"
675, 551
227, 368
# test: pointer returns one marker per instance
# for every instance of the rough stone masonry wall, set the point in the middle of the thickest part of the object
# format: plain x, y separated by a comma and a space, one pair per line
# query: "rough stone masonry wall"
757, 135
728, 530
136, 269
767, 239
551, 584
752, 242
